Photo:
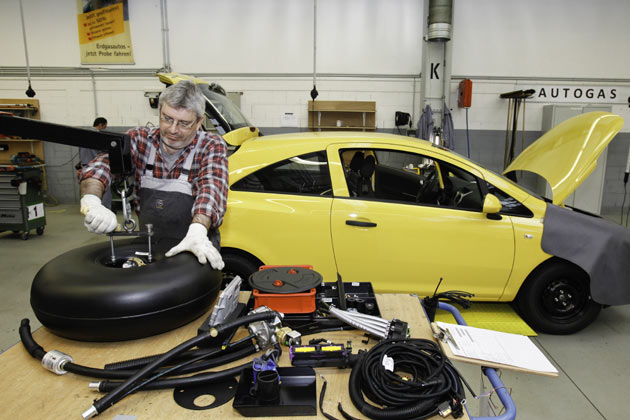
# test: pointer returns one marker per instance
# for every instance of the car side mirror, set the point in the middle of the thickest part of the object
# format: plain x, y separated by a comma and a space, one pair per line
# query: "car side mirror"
492, 206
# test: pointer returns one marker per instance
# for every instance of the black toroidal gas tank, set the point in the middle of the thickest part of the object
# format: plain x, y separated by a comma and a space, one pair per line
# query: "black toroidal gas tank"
84, 295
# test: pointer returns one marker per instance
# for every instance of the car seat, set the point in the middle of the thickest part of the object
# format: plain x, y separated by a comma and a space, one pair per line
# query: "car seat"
353, 176
366, 172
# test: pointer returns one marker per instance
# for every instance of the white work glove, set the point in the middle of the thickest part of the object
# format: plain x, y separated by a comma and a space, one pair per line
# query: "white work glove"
197, 242
98, 218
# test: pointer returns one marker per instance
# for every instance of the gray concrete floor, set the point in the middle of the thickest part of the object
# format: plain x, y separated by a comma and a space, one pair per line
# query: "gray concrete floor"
593, 364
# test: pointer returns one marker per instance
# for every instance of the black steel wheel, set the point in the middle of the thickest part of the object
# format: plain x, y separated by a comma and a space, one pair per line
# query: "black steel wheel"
40, 230
556, 299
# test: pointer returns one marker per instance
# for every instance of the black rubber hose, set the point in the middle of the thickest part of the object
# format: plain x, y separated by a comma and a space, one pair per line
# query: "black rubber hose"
196, 380
228, 355
28, 342
145, 360
38, 353
114, 396
124, 374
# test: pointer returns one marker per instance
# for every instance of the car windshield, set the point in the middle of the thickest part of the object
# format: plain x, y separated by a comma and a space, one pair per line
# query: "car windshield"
226, 108
521, 186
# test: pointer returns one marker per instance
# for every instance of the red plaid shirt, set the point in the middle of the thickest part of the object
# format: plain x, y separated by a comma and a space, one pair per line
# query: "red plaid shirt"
208, 175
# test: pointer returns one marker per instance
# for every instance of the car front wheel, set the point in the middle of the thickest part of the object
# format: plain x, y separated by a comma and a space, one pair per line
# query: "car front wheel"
557, 300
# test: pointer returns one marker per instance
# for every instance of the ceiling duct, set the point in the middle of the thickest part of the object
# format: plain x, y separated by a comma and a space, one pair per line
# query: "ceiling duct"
440, 20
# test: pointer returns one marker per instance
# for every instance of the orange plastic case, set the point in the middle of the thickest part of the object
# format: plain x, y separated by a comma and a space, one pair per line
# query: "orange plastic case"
294, 303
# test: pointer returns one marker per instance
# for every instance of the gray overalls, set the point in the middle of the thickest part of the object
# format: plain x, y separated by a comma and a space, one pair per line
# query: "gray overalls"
168, 203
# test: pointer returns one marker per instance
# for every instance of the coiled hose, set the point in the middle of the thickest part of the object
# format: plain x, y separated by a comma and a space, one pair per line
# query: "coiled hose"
431, 380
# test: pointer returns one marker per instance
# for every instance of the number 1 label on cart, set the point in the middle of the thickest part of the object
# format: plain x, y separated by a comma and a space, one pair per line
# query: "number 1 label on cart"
36, 211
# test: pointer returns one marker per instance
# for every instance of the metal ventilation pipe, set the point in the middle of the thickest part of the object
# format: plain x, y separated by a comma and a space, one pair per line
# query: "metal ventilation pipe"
166, 54
440, 20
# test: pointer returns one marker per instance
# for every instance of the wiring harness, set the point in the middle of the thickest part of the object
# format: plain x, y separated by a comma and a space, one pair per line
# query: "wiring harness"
411, 379
430, 304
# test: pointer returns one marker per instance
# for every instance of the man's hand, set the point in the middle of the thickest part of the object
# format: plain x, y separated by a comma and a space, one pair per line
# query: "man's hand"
98, 218
197, 242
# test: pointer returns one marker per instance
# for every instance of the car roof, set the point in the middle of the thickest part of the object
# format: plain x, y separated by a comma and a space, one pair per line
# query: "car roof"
325, 138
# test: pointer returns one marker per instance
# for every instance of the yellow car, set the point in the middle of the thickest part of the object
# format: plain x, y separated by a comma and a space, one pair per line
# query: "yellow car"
402, 214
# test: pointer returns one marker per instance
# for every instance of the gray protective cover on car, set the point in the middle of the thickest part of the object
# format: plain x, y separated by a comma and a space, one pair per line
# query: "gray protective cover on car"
600, 247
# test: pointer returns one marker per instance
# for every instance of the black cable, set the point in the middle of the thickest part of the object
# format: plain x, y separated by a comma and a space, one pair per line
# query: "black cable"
431, 381
467, 136
623, 203
321, 400
190, 381
65, 163
344, 414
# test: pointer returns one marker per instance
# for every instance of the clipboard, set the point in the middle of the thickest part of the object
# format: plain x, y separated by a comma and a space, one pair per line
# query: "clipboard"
446, 348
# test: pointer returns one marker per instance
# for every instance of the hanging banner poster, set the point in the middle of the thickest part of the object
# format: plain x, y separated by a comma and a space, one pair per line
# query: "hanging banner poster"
104, 35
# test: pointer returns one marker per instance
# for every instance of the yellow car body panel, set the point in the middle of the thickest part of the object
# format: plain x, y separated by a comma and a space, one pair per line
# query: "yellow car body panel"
172, 78
430, 242
397, 246
453, 245
287, 229
240, 135
468, 250
528, 253
567, 154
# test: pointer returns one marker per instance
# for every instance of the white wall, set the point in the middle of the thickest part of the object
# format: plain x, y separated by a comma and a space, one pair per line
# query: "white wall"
539, 38
504, 41
366, 50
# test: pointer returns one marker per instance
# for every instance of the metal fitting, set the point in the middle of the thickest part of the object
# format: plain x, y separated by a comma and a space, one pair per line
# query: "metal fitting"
264, 330
55, 360
89, 413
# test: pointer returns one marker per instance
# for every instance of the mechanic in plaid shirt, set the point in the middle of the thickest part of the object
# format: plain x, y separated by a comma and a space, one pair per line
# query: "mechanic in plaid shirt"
181, 176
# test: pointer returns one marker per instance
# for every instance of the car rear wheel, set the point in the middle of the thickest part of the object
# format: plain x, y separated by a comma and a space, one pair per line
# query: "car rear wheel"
239, 265
557, 300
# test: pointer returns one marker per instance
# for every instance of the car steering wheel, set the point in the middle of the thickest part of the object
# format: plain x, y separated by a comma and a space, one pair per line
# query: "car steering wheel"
460, 195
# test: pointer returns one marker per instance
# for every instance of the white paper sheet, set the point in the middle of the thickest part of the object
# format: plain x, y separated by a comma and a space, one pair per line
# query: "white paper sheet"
499, 347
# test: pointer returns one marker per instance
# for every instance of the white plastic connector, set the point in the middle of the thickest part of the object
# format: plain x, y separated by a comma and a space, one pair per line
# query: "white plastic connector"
94, 385
55, 360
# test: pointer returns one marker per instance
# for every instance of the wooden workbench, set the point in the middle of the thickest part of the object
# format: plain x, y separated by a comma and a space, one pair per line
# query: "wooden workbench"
28, 391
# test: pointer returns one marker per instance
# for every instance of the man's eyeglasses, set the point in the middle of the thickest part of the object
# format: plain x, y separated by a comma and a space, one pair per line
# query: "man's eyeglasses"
181, 124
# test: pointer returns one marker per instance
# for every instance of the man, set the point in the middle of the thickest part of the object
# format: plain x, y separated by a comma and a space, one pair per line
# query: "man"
181, 175
86, 155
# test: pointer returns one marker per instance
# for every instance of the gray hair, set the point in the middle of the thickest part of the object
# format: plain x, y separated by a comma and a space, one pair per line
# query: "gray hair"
184, 94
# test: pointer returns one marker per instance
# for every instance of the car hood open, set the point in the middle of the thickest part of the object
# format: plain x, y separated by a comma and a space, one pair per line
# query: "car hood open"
567, 154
